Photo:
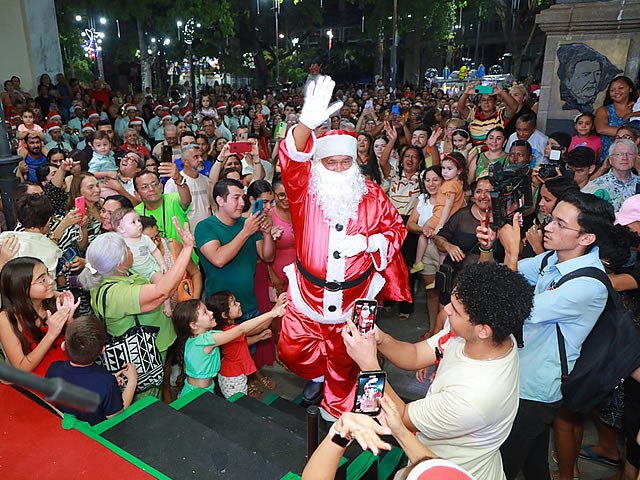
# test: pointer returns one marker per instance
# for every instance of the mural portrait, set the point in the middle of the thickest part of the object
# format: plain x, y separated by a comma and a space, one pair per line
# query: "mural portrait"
583, 73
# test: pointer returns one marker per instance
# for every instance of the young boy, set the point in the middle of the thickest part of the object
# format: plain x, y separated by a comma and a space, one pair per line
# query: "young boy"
84, 341
102, 163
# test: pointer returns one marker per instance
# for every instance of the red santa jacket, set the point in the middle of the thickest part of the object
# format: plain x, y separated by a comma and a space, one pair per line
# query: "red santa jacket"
317, 241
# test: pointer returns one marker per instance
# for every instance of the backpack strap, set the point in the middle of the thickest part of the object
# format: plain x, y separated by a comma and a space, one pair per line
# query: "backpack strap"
102, 293
545, 261
591, 272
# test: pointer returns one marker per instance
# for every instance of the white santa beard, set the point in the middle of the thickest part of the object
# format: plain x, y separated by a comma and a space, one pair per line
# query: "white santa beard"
337, 193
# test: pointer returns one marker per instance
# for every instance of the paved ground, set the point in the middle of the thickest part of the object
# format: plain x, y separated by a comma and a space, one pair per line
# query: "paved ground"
289, 385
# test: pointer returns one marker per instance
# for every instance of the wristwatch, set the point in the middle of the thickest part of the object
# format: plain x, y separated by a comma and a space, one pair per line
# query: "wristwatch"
337, 439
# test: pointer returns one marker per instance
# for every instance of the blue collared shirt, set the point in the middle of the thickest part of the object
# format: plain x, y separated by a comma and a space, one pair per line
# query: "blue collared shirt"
575, 306
618, 190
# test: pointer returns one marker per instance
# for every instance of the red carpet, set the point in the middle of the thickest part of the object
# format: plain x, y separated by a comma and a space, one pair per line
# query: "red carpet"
33, 444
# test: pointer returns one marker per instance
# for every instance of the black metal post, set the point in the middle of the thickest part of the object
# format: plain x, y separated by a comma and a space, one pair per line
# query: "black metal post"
8, 179
313, 415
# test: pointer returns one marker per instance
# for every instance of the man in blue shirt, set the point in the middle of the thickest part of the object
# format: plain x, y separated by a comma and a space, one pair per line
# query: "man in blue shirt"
575, 306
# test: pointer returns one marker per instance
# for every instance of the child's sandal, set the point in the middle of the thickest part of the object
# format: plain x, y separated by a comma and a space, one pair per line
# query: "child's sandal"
253, 391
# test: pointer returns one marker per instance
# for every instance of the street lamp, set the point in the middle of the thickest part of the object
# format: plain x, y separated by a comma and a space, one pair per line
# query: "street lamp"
179, 26
78, 18
330, 35
103, 21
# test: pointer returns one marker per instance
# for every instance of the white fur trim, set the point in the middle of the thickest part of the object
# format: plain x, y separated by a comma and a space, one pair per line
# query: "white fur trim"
335, 271
376, 285
330, 145
294, 154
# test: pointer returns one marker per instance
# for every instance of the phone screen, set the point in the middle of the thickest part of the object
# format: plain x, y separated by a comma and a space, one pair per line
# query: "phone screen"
258, 206
167, 154
369, 391
395, 110
364, 314
81, 206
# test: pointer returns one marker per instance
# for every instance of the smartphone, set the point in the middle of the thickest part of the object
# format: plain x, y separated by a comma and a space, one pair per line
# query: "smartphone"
81, 206
242, 137
258, 207
260, 118
368, 105
483, 89
281, 129
395, 110
239, 147
68, 255
369, 391
167, 154
555, 153
364, 314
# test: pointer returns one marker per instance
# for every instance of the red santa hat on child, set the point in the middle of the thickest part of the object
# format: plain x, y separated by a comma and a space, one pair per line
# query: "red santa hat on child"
87, 127
437, 469
93, 113
165, 116
135, 121
49, 127
336, 142
185, 112
221, 106
236, 104
129, 107
156, 106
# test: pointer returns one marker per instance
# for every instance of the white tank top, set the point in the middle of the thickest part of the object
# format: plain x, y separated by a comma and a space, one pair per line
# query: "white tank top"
425, 210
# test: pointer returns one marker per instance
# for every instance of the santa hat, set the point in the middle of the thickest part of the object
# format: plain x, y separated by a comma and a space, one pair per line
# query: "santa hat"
12, 124
336, 142
236, 104
173, 105
157, 106
78, 106
438, 470
129, 107
165, 116
49, 127
93, 113
87, 127
136, 121
221, 106
185, 112
54, 116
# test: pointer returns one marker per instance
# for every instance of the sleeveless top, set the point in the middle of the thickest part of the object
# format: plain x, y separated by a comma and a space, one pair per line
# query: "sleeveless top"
425, 210
614, 121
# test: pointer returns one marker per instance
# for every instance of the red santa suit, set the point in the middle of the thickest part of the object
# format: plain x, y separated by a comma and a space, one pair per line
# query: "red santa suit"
310, 343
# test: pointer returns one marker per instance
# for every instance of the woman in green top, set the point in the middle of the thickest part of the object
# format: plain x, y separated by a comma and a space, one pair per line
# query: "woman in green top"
493, 152
108, 262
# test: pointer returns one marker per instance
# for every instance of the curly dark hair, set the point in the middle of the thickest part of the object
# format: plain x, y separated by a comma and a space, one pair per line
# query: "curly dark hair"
493, 295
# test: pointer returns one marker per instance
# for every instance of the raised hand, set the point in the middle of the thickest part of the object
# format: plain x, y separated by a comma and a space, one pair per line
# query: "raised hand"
316, 107
186, 237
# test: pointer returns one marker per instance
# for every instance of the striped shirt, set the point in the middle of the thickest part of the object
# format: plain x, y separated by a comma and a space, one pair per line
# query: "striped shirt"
480, 124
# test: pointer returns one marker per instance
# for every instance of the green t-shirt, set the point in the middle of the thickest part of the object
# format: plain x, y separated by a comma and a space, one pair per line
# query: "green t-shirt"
169, 208
123, 302
237, 275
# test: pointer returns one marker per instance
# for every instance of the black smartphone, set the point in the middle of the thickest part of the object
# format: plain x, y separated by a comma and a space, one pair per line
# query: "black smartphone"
364, 314
167, 154
369, 391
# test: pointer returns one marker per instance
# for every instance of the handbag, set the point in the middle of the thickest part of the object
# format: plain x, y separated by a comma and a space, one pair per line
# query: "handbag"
137, 345
444, 278
185, 287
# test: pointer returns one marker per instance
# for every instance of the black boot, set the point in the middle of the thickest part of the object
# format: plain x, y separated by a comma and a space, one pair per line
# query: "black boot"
312, 393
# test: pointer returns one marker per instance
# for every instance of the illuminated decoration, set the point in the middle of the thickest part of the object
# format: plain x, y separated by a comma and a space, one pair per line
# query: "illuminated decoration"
92, 41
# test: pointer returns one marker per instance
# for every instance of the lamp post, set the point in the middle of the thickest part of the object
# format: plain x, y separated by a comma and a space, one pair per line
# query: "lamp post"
189, 29
393, 60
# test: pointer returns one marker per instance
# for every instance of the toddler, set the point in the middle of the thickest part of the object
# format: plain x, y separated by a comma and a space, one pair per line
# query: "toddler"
102, 163
198, 342
449, 199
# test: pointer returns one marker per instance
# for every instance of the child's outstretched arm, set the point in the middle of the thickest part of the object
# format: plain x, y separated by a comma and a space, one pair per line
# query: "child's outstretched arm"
160, 259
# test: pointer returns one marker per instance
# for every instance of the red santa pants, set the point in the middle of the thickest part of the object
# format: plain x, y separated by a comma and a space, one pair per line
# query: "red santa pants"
311, 349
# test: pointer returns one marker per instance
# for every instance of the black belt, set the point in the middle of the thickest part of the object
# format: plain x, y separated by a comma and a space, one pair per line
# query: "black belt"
332, 286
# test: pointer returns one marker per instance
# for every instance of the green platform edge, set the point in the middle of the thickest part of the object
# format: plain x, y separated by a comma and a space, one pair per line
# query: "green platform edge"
69, 422
389, 463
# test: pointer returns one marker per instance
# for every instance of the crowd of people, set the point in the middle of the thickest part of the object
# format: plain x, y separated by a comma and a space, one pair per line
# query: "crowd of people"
245, 220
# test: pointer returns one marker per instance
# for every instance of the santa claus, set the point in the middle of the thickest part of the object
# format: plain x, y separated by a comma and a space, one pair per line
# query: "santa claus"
348, 235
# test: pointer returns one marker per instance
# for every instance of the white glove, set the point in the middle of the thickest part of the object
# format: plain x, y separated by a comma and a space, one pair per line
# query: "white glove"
377, 242
352, 245
316, 108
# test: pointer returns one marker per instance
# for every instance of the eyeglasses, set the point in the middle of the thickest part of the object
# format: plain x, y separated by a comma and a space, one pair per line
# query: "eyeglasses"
625, 137
149, 186
43, 280
563, 226
622, 154
281, 196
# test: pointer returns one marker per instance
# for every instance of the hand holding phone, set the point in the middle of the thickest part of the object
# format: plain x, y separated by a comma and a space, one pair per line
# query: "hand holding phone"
239, 147
364, 314
167, 154
258, 207
81, 206
369, 391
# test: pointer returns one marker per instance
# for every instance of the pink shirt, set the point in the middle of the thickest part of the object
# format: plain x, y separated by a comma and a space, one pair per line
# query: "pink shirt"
285, 246
594, 142
22, 128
